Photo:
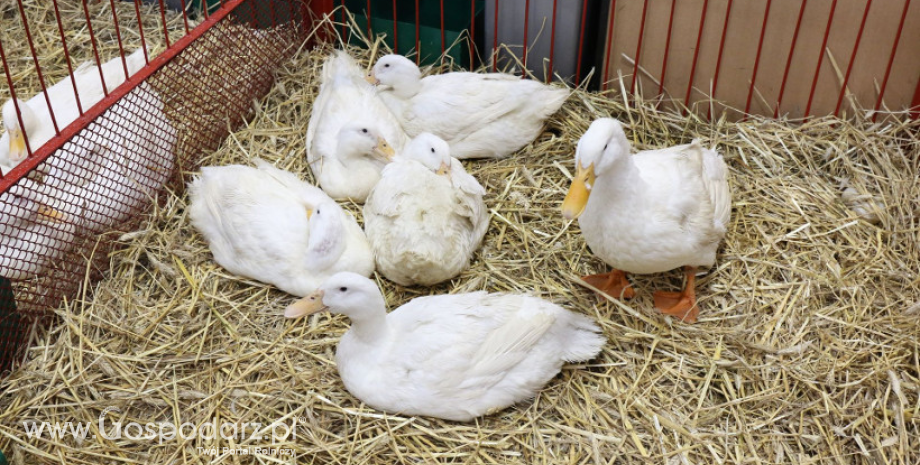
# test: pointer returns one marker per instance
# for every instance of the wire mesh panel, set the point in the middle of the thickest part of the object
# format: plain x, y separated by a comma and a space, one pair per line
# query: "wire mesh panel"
68, 194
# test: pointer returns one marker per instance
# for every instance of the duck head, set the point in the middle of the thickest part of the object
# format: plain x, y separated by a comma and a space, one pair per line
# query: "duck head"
600, 148
17, 148
431, 151
344, 293
363, 139
398, 72
326, 223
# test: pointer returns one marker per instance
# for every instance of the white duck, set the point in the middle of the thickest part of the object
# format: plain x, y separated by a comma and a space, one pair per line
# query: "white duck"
425, 217
266, 224
454, 357
117, 172
479, 115
650, 212
351, 134
33, 235
36, 117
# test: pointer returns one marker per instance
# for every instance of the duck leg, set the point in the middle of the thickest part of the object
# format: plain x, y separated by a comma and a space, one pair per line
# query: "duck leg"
613, 284
680, 304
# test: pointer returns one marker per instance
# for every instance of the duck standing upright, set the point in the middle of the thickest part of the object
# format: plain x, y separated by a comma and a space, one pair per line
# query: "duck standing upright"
479, 115
454, 356
650, 212
425, 217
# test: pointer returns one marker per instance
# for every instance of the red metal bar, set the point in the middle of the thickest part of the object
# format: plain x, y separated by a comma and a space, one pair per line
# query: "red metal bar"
667, 48
91, 114
846, 78
632, 87
495, 40
163, 18
73, 80
581, 41
41, 79
185, 13
526, 39
395, 30
715, 79
894, 51
552, 45
140, 30
369, 32
92, 38
795, 38
763, 31
418, 47
472, 34
121, 47
204, 7
613, 10
305, 16
342, 15
696, 53
271, 11
9, 81
442, 27
814, 82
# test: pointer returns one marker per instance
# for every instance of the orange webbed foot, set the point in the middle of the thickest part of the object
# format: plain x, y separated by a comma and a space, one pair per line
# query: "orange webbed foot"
677, 304
680, 304
613, 284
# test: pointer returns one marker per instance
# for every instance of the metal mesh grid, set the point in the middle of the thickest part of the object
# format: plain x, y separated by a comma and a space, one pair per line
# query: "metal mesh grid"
63, 209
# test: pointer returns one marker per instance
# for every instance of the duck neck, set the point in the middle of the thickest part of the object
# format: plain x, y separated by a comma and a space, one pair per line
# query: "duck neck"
407, 87
618, 182
370, 329
370, 324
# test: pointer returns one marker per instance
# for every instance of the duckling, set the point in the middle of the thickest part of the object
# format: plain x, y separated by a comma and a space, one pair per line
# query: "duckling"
425, 217
266, 224
455, 357
650, 212
479, 115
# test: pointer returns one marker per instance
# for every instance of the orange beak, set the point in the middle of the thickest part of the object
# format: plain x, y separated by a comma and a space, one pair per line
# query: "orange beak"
18, 151
308, 305
577, 198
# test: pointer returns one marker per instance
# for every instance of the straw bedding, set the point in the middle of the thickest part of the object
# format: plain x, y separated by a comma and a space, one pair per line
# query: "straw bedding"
806, 352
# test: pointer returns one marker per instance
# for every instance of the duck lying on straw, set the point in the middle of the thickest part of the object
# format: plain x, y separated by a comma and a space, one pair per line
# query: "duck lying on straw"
425, 217
266, 224
454, 357
36, 116
479, 115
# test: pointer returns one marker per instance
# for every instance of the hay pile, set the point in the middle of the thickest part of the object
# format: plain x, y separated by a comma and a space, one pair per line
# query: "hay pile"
806, 352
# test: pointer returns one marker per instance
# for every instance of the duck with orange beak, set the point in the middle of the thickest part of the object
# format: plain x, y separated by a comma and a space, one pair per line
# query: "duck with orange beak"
351, 135
426, 217
648, 213
449, 356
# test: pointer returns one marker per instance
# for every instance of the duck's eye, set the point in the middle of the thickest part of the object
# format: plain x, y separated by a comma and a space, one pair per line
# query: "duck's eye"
343, 289
432, 150
317, 211
605, 146
365, 131
386, 65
